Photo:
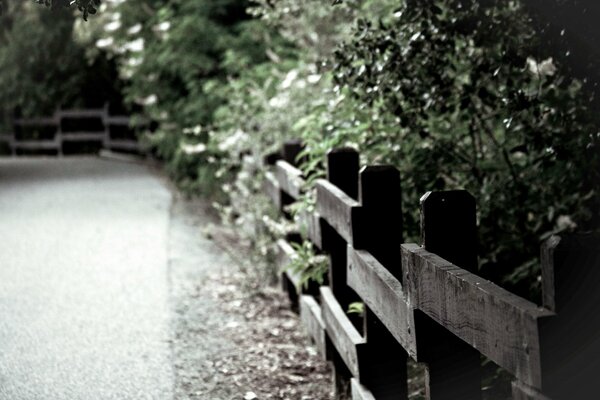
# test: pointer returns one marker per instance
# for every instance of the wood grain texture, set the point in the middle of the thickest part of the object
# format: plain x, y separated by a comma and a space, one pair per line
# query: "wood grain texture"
312, 320
271, 189
499, 324
448, 229
35, 144
117, 120
337, 208
311, 223
378, 231
343, 335
124, 145
359, 392
82, 113
289, 178
384, 295
37, 121
284, 259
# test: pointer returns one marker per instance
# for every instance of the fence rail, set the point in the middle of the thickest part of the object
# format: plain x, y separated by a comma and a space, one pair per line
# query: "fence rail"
426, 302
60, 137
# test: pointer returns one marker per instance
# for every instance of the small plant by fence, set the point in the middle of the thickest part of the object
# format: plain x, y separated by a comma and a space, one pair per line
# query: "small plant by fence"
55, 136
426, 301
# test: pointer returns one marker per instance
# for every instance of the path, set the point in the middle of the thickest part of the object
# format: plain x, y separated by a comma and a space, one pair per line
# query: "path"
83, 288
109, 290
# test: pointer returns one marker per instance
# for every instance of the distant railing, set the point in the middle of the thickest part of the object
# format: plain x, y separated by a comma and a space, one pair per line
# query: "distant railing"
426, 302
60, 137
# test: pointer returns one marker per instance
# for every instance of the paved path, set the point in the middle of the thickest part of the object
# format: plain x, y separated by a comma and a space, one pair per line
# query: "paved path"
84, 308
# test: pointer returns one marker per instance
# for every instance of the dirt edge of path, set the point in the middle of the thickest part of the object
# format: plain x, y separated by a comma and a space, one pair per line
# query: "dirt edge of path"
231, 343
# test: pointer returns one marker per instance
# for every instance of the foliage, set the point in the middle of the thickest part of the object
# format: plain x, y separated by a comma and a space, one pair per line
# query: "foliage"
266, 100
309, 266
356, 308
86, 7
176, 58
451, 94
31, 41
33, 83
456, 95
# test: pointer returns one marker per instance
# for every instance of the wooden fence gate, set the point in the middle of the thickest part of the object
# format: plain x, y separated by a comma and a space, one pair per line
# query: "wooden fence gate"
426, 301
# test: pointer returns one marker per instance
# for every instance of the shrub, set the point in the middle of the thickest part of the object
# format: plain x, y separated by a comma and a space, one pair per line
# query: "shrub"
452, 94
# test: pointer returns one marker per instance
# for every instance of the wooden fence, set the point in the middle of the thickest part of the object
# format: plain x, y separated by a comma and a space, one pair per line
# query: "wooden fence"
426, 301
60, 137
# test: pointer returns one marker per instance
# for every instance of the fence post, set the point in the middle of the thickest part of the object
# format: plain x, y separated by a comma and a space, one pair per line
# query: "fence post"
58, 135
342, 171
290, 151
105, 122
379, 231
570, 341
448, 228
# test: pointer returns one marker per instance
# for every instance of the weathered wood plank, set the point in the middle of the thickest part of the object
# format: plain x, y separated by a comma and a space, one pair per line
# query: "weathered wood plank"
271, 189
124, 145
36, 144
310, 222
290, 282
286, 256
337, 208
379, 234
289, 178
344, 337
448, 229
342, 183
384, 295
117, 120
81, 113
50, 121
312, 319
499, 324
82, 136
359, 392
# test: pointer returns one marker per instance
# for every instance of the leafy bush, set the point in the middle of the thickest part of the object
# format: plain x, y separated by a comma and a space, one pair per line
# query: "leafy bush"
176, 58
453, 93
33, 82
30, 41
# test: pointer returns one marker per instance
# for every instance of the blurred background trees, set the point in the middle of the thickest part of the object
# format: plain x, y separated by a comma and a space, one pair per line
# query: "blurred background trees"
43, 67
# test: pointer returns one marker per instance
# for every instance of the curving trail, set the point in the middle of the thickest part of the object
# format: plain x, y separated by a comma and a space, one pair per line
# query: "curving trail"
109, 290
